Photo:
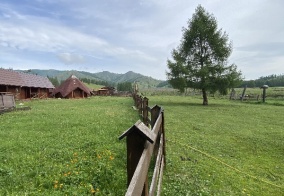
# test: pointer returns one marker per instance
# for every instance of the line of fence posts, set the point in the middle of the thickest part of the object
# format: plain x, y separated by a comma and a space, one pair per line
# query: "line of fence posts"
143, 140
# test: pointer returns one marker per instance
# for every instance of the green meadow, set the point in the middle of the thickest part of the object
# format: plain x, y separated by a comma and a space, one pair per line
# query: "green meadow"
71, 147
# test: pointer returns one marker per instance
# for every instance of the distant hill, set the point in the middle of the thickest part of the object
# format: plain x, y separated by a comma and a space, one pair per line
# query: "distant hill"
112, 78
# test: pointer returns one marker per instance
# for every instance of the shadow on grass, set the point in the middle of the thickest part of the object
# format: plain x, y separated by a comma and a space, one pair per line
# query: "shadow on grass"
265, 103
164, 103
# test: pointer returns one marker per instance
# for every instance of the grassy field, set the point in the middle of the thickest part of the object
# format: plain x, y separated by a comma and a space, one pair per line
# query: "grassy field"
93, 86
64, 147
71, 147
226, 148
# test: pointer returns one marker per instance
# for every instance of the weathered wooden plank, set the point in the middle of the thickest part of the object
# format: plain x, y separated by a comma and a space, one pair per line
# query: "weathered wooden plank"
157, 125
135, 147
164, 136
137, 161
143, 130
1, 101
145, 111
155, 112
161, 177
137, 182
156, 169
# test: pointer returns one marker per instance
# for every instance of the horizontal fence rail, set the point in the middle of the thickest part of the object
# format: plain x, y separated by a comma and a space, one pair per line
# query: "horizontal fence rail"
145, 142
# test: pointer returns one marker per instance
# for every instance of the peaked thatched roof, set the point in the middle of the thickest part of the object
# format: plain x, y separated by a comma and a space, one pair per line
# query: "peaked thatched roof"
14, 78
71, 84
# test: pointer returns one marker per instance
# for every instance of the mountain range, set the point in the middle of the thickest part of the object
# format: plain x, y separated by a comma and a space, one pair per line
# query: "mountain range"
112, 78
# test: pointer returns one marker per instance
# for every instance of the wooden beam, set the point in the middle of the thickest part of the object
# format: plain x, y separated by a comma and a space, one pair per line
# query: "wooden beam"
137, 182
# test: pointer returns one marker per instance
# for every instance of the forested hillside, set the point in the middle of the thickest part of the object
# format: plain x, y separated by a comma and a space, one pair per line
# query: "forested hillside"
102, 78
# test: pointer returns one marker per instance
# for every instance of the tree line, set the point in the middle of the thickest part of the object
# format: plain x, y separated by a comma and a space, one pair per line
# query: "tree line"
271, 80
98, 82
56, 82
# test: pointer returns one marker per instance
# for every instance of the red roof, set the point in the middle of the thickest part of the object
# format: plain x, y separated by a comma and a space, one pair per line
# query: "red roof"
69, 85
14, 78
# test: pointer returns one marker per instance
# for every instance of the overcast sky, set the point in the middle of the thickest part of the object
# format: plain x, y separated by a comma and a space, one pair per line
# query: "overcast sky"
134, 35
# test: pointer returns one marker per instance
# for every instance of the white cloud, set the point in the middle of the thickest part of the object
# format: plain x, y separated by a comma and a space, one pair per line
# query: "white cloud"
134, 35
68, 58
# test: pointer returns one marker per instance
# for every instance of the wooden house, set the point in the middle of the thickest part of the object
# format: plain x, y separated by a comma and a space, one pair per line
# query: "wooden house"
24, 85
72, 87
106, 90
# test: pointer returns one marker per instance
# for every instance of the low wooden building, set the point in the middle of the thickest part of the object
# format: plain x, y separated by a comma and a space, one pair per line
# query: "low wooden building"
24, 85
106, 90
72, 87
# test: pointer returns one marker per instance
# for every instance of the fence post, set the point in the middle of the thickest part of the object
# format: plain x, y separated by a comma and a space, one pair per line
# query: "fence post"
243, 94
155, 111
145, 111
137, 102
233, 93
2, 106
136, 138
164, 137
140, 107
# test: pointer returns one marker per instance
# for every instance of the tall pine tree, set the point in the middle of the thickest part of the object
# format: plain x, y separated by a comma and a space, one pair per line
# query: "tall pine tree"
200, 61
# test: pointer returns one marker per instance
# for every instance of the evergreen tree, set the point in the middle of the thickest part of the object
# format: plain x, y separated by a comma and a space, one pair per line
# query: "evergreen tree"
200, 61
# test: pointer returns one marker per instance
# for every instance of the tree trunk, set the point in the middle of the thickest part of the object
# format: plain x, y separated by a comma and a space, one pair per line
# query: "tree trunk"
204, 95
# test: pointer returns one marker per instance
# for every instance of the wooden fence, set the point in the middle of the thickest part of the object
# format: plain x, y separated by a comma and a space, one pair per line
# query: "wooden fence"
143, 140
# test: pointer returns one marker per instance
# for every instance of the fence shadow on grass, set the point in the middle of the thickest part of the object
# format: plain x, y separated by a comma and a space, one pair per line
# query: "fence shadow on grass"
194, 104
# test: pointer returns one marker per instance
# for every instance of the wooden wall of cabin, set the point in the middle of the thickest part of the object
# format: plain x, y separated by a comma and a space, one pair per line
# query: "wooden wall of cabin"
25, 92
78, 93
3, 88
